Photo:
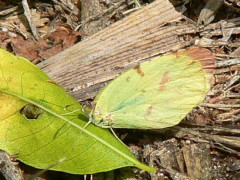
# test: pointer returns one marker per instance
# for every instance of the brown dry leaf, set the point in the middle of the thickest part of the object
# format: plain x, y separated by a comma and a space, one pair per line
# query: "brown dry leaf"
202, 118
60, 39
52, 44
3, 36
23, 47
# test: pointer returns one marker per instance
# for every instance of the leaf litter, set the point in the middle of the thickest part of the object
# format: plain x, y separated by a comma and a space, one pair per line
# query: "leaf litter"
219, 120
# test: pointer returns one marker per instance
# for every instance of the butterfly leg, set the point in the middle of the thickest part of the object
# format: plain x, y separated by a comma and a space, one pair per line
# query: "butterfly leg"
86, 125
117, 137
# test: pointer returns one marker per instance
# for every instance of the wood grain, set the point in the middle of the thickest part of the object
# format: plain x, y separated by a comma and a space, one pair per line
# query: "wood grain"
86, 67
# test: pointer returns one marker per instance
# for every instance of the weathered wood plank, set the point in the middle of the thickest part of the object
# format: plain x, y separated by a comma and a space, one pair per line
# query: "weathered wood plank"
84, 68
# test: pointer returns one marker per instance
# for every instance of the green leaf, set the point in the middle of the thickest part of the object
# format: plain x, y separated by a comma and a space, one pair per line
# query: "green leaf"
42, 124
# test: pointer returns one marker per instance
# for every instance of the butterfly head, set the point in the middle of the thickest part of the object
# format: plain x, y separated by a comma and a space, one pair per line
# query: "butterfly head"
101, 120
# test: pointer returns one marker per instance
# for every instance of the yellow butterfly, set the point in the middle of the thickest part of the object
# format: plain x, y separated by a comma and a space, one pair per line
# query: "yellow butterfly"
158, 93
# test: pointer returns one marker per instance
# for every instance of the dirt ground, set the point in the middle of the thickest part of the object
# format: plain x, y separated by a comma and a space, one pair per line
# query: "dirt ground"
206, 144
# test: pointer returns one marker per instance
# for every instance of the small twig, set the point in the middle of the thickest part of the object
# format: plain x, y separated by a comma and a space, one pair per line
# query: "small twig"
31, 22
228, 120
228, 114
137, 3
62, 5
232, 95
20, 31
228, 140
230, 84
130, 11
210, 43
232, 87
227, 55
67, 7
8, 11
220, 106
8, 168
229, 62
226, 148
212, 128
218, 32
227, 69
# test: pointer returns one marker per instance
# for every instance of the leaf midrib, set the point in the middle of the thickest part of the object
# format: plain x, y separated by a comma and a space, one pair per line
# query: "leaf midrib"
136, 163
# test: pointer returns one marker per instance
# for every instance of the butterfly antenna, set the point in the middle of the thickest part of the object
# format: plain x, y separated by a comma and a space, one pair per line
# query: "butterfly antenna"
64, 114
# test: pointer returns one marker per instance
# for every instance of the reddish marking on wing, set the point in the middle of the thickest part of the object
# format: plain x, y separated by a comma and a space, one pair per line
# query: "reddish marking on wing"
164, 81
204, 56
207, 60
139, 71
149, 110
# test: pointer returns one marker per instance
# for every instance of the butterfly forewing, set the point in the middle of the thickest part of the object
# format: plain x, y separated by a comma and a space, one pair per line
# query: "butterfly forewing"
156, 94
